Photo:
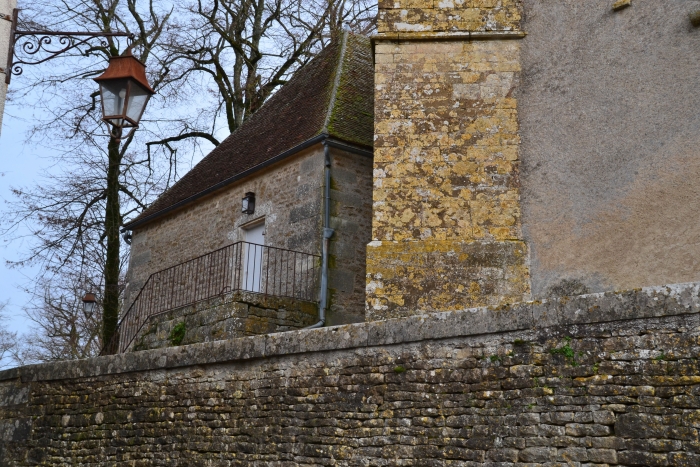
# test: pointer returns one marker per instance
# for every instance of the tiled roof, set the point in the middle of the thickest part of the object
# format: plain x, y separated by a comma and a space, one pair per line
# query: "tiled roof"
316, 101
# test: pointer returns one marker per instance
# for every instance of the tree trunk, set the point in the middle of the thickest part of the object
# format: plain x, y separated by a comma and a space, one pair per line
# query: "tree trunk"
110, 314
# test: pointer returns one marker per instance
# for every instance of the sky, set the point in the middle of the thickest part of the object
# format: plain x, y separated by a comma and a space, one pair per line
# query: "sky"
20, 165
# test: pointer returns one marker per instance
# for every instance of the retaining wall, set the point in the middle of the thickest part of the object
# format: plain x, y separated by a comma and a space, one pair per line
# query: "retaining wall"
233, 315
606, 379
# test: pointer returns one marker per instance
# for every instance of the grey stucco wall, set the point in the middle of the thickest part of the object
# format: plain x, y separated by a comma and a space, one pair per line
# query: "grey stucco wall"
610, 124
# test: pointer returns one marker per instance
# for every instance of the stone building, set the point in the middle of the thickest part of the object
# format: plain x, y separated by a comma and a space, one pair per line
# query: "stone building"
532, 148
6, 9
514, 158
315, 132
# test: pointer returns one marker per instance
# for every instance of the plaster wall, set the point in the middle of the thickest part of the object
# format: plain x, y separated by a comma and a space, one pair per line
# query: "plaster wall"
609, 115
6, 7
289, 197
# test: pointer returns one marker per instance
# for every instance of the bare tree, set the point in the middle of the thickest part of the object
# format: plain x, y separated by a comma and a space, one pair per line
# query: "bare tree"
241, 51
8, 341
77, 214
60, 327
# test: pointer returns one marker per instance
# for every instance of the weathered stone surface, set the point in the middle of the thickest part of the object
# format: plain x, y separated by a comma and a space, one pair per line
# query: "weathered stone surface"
289, 200
234, 315
458, 15
426, 390
446, 231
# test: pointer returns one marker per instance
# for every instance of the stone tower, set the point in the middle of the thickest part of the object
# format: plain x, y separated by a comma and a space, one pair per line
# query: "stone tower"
446, 228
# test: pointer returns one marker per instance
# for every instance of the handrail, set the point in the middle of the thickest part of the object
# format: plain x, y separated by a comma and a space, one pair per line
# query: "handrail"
240, 266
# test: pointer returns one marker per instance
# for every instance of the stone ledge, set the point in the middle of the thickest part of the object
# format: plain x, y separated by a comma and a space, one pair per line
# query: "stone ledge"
447, 35
648, 302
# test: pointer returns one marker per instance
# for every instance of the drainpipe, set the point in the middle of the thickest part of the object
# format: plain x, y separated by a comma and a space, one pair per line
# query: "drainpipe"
327, 234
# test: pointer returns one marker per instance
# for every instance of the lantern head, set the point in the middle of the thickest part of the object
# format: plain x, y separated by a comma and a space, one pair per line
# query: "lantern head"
125, 91
89, 303
248, 203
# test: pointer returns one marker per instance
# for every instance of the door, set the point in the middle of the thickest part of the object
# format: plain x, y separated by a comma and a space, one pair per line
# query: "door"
253, 257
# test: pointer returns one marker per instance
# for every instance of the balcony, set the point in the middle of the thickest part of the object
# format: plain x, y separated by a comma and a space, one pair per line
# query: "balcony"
240, 267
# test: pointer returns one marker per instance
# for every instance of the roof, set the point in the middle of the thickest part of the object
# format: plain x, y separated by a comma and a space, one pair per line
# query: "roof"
330, 96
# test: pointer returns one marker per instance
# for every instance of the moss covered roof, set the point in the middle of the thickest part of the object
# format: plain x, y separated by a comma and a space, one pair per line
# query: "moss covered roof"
332, 95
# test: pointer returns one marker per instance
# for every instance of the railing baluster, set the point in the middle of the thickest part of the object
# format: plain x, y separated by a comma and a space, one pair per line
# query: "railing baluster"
227, 269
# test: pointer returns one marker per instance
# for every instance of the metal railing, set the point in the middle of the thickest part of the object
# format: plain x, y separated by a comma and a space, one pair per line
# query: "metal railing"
241, 266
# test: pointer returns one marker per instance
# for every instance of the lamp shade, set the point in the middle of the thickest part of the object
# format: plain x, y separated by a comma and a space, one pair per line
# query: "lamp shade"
124, 90
89, 302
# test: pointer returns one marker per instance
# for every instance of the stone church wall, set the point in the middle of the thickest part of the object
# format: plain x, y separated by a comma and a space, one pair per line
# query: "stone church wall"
597, 380
446, 231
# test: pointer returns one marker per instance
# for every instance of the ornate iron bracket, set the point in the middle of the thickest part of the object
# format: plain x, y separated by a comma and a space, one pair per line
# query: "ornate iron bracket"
43, 41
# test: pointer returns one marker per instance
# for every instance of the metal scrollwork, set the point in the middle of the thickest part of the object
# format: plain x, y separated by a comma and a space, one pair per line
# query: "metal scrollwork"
41, 46
52, 45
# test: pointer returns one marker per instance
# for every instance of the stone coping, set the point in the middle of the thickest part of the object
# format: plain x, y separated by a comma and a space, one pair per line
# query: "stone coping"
648, 302
447, 35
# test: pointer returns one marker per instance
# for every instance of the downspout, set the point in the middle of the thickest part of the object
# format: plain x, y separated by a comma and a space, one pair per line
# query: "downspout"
327, 231
327, 234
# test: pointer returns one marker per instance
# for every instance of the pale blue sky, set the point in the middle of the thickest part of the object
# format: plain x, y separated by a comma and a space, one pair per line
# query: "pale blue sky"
20, 165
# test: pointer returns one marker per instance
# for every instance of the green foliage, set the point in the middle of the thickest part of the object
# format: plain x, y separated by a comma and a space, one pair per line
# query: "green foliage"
567, 352
494, 358
178, 333
519, 342
596, 367
399, 369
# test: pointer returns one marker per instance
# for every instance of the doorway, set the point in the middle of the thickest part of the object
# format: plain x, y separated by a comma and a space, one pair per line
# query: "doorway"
254, 236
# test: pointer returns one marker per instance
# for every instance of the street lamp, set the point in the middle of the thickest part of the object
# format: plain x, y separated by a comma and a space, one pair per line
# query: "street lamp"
89, 303
125, 92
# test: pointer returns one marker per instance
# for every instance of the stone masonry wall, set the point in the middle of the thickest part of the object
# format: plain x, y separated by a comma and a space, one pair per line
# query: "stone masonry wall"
234, 315
597, 380
450, 15
351, 217
446, 230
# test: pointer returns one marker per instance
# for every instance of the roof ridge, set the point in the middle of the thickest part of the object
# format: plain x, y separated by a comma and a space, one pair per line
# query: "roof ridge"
336, 82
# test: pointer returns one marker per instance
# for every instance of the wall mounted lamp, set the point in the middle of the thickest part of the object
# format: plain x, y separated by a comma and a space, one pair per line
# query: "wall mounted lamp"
249, 203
